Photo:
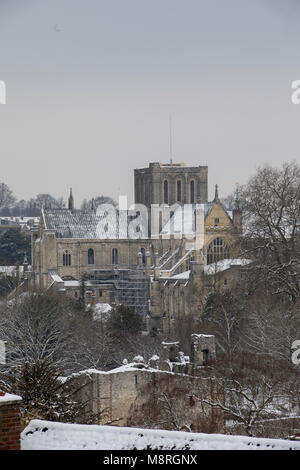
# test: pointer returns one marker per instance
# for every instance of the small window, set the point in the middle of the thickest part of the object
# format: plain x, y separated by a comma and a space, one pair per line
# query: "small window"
115, 256
179, 191
192, 191
217, 220
143, 251
166, 192
76, 294
90, 256
135, 379
100, 293
205, 353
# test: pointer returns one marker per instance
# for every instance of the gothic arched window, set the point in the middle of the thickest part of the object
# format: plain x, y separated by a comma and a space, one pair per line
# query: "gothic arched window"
143, 251
178, 190
67, 258
91, 256
192, 191
114, 256
166, 192
217, 250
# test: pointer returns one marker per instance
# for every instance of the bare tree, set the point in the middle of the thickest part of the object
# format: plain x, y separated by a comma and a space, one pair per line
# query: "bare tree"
7, 199
271, 213
170, 404
35, 327
255, 388
97, 201
44, 394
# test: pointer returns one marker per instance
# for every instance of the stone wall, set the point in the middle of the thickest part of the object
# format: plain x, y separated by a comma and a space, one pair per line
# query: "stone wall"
119, 397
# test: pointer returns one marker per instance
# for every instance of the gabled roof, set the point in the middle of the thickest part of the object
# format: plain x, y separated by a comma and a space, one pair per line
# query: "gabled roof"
87, 224
183, 220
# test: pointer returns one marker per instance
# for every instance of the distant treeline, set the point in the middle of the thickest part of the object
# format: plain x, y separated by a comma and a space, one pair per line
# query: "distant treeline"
11, 207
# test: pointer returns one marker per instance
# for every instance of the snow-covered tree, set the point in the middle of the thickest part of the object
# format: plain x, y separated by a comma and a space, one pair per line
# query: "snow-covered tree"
271, 214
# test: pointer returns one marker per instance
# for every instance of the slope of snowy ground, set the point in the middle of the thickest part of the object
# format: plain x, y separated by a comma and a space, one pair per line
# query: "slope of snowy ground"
46, 435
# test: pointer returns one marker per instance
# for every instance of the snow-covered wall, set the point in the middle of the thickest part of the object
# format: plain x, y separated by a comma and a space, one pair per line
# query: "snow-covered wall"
45, 435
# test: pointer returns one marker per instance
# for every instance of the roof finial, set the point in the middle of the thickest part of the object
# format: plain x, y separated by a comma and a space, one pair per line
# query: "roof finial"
216, 194
71, 201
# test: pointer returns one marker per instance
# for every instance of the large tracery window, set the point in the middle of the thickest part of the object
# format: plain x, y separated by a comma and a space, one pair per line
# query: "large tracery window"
67, 258
217, 250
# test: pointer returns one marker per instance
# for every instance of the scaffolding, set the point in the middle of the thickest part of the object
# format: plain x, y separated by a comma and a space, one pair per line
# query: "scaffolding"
128, 287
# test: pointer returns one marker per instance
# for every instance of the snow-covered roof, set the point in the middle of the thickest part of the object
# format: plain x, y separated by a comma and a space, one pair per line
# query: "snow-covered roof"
183, 219
8, 398
89, 224
48, 435
184, 275
54, 276
225, 264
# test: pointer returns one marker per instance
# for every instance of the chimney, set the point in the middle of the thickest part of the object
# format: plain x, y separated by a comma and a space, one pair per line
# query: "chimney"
10, 421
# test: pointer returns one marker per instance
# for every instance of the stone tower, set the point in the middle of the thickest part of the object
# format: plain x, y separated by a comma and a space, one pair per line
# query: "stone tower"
170, 184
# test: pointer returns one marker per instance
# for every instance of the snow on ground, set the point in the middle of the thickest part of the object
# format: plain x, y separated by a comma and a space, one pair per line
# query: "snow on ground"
46, 435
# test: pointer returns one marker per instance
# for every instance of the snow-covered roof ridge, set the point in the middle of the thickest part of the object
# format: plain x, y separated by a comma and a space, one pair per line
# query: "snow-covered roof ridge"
132, 366
48, 435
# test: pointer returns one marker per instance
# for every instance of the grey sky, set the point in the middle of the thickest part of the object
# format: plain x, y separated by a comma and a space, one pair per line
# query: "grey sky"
90, 102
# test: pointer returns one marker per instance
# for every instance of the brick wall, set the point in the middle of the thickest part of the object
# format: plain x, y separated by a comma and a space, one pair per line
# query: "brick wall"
10, 426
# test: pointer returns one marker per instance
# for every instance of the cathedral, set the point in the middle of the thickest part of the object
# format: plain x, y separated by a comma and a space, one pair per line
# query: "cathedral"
159, 256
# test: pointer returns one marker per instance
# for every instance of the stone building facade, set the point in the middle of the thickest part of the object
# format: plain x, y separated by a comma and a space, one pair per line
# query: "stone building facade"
189, 235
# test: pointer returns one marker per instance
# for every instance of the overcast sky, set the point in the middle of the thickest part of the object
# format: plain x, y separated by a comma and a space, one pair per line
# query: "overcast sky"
91, 85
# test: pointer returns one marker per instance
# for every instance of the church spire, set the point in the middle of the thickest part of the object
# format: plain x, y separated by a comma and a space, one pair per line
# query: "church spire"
71, 201
216, 194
